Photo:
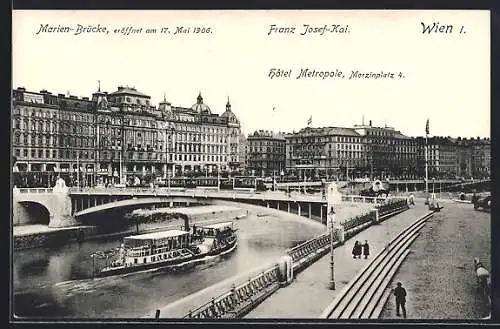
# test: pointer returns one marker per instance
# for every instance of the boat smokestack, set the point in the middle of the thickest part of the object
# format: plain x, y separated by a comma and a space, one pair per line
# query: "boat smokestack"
186, 223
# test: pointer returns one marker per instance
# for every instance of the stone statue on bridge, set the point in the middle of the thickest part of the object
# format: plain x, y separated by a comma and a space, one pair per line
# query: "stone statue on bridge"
333, 195
60, 186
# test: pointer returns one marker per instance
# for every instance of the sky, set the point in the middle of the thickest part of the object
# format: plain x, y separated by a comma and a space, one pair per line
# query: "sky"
446, 76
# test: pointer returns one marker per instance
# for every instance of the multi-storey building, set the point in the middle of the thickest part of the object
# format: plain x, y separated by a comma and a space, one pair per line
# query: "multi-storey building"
52, 135
473, 157
441, 157
362, 151
387, 152
202, 142
116, 137
131, 136
324, 152
464, 157
481, 157
266, 153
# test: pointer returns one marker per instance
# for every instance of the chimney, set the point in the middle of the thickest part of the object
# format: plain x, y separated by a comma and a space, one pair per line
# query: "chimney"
370, 123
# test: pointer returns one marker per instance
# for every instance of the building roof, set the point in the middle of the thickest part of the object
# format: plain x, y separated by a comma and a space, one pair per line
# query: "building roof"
157, 235
129, 91
200, 107
265, 134
231, 117
398, 134
339, 131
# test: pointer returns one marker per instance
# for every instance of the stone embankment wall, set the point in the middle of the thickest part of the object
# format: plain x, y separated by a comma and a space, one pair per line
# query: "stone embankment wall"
44, 239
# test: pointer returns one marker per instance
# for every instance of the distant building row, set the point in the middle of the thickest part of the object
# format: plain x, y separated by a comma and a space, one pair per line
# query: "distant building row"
365, 151
117, 136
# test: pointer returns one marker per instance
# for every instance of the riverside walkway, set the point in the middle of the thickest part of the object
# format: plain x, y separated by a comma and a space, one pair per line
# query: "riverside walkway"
180, 308
308, 295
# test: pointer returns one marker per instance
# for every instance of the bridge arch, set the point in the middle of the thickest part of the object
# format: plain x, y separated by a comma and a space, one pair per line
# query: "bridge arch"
137, 203
32, 212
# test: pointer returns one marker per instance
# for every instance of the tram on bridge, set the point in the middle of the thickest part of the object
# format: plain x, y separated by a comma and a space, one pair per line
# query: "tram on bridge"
225, 183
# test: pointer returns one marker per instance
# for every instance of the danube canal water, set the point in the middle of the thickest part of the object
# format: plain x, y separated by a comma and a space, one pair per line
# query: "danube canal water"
57, 282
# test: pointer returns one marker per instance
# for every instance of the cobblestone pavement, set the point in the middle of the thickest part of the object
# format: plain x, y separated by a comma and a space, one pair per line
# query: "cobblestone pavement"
439, 273
308, 295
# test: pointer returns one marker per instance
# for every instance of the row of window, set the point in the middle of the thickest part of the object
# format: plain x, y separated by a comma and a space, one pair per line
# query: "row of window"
53, 154
201, 148
63, 141
201, 129
53, 114
341, 139
127, 99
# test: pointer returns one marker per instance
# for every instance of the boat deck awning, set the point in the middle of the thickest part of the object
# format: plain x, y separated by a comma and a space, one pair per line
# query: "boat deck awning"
157, 235
219, 225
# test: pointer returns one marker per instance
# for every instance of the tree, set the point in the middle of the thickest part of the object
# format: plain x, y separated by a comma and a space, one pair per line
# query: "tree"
136, 218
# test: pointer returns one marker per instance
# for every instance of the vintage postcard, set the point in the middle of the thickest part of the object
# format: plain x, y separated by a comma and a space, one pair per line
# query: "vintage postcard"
251, 164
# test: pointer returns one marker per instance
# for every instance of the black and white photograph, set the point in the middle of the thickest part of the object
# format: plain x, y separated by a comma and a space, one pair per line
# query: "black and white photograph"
250, 165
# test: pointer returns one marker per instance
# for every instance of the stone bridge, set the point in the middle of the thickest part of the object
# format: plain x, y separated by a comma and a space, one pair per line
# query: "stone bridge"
66, 205
42, 202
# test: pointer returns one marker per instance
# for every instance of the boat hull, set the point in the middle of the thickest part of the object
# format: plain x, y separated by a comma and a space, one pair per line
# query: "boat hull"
174, 263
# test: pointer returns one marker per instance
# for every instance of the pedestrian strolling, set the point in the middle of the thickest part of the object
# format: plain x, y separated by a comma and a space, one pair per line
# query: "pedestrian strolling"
366, 249
356, 250
400, 294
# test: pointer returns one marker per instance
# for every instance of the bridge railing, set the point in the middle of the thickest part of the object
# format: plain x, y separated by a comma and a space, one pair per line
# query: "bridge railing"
392, 205
201, 192
359, 220
33, 190
311, 250
363, 199
240, 298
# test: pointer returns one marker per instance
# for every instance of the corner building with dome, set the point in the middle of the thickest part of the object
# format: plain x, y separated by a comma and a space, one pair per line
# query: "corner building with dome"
118, 137
201, 141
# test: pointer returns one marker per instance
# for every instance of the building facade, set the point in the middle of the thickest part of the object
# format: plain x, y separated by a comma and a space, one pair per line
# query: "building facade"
359, 152
441, 157
464, 157
243, 154
388, 153
481, 157
455, 157
117, 137
266, 153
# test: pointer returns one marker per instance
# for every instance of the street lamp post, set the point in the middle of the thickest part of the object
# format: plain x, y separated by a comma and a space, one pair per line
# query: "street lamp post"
274, 180
426, 173
440, 189
168, 180
77, 170
93, 264
121, 168
218, 178
331, 214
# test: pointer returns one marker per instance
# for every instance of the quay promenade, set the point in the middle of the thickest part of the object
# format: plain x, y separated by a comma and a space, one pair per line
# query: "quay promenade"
308, 295
439, 272
181, 307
